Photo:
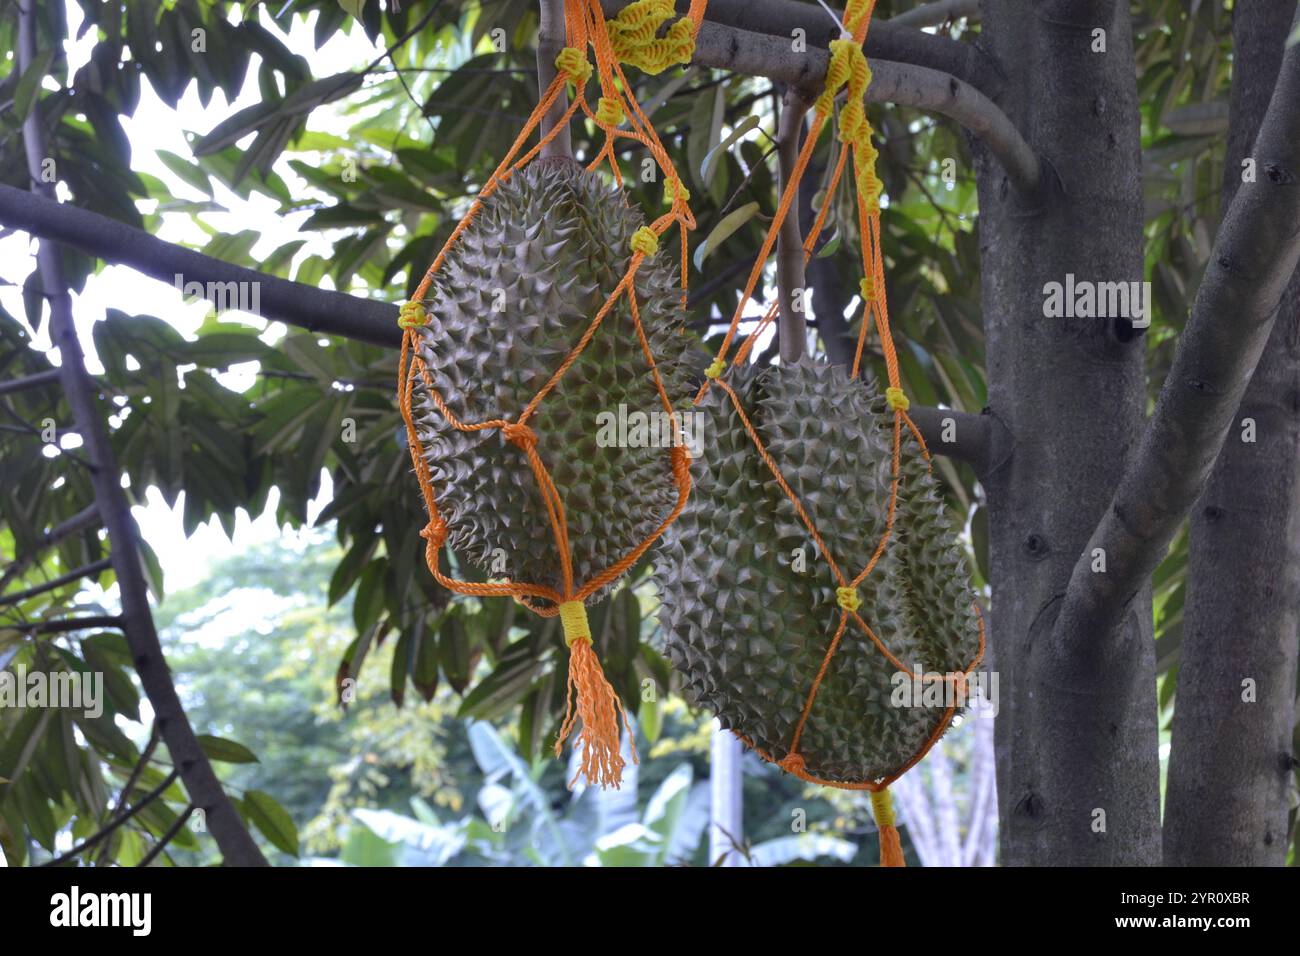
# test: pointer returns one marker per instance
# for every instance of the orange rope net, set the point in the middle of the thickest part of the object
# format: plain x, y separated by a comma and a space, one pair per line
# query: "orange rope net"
591, 700
848, 67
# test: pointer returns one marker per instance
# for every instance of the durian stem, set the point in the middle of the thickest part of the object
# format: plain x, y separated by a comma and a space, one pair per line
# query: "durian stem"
550, 41
792, 325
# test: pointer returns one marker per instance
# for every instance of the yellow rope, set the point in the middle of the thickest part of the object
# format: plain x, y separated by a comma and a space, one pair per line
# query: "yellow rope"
411, 315
573, 63
882, 808
573, 617
645, 241
609, 112
848, 599
897, 400
673, 188
634, 36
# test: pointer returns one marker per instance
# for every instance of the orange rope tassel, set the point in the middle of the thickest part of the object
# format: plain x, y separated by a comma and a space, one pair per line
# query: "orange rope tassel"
891, 846
597, 706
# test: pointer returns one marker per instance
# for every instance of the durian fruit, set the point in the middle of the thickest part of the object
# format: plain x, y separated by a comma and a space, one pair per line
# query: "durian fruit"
747, 630
516, 293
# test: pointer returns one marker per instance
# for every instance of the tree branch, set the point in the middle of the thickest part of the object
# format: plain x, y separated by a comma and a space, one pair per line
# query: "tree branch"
364, 320
48, 377
792, 323
294, 303
63, 625
233, 839
979, 440
550, 40
112, 825
54, 583
1254, 256
933, 14
1242, 608
86, 518
886, 39
157, 849
904, 84
124, 799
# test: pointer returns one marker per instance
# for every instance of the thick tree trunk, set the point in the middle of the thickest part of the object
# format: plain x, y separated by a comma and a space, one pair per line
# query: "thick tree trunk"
1231, 763
1072, 394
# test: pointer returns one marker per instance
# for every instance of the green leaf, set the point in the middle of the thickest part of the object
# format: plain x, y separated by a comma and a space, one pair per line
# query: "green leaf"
424, 663
353, 7
401, 667
272, 819
729, 224
831, 246
153, 572
225, 751
189, 173
712, 158
29, 85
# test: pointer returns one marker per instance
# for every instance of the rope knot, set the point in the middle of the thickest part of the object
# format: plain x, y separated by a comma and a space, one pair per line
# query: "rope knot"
645, 241
435, 532
792, 763
574, 64
573, 618
520, 434
848, 599
609, 112
412, 315
673, 190
897, 400
867, 288
716, 369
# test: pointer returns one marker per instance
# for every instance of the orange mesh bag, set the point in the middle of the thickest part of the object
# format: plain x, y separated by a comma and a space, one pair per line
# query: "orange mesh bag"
813, 580
551, 303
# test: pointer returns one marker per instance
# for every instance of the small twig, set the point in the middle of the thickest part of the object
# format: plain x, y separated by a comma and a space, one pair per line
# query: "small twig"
49, 377
145, 756
91, 841
167, 837
82, 520
63, 625
54, 583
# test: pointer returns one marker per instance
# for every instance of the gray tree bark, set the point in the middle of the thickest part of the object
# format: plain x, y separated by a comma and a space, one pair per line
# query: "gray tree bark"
1071, 393
1230, 766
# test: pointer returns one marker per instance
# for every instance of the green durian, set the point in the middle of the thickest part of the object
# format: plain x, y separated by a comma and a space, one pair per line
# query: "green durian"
512, 299
747, 631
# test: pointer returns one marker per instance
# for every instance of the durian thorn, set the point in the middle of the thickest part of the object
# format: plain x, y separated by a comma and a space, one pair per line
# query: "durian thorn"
601, 713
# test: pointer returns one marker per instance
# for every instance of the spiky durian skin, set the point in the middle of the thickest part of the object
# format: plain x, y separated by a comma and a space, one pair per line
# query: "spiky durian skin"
748, 633
512, 299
